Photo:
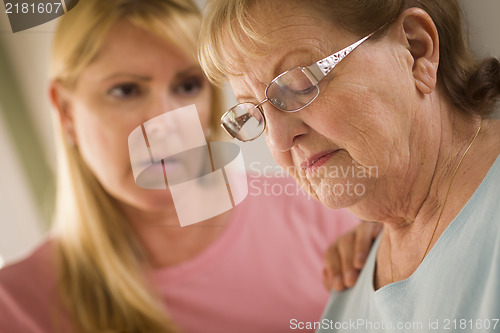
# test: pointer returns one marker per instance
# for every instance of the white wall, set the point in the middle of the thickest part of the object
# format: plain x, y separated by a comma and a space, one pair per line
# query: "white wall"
484, 25
484, 29
19, 222
29, 52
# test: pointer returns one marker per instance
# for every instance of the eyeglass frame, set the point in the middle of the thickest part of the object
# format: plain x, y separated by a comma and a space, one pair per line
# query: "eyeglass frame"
315, 72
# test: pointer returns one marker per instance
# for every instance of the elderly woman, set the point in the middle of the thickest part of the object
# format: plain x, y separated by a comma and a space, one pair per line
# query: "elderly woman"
378, 106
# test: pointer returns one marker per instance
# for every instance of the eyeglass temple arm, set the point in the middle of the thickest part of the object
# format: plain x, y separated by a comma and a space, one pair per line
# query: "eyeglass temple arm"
321, 68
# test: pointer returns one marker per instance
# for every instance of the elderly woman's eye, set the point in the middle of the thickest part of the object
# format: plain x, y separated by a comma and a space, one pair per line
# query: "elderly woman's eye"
124, 91
190, 87
305, 91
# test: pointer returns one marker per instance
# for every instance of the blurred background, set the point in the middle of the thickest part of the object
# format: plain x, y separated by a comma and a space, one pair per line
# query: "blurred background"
27, 154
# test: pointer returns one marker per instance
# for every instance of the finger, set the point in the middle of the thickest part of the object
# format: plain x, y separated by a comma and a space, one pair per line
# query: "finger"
346, 254
363, 243
377, 230
337, 283
326, 283
332, 282
332, 273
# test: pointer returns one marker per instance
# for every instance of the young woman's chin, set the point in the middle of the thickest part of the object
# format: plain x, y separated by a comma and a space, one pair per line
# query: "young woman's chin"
156, 200
146, 200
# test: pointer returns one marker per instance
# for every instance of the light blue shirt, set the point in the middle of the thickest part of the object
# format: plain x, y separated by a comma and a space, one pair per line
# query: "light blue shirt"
455, 289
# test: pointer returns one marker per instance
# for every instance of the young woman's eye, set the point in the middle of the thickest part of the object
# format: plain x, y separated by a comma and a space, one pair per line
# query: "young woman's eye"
124, 91
190, 87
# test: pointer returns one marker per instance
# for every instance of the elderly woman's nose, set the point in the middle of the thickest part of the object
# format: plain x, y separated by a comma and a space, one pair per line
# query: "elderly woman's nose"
283, 128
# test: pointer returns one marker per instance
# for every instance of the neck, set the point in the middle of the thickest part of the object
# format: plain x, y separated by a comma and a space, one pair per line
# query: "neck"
413, 188
411, 227
165, 242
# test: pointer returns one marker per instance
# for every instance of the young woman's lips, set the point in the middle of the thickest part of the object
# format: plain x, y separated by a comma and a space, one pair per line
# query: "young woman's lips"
316, 161
168, 164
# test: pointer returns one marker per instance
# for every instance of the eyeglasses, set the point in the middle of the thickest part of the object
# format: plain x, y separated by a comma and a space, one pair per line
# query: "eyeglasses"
290, 91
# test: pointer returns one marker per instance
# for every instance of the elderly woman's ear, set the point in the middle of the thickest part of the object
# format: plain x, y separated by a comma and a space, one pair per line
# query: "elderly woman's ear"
422, 40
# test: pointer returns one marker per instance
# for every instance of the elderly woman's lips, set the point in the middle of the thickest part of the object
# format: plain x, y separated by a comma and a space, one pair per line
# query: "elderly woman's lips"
316, 161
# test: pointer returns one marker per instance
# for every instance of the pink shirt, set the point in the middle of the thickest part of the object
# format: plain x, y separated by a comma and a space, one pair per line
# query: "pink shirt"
261, 273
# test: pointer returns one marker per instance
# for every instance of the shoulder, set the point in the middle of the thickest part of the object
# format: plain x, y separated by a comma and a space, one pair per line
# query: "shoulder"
280, 200
27, 287
282, 194
38, 263
485, 202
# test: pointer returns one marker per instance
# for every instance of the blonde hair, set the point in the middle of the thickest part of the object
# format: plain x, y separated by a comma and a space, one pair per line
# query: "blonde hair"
471, 85
100, 261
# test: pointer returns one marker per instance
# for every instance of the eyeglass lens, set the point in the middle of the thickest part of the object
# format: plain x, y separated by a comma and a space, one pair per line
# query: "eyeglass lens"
291, 91
244, 121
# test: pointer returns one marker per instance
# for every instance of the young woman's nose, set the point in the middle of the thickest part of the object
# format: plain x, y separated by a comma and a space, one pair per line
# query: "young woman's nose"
160, 122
